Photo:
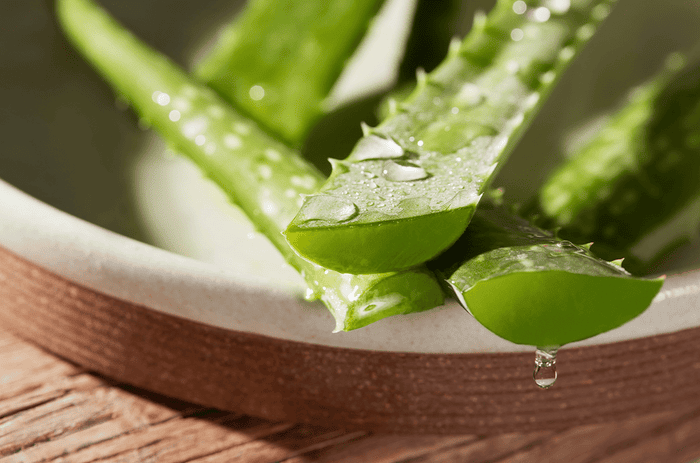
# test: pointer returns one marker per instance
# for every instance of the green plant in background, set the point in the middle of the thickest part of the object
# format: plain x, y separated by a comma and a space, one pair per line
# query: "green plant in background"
634, 188
412, 184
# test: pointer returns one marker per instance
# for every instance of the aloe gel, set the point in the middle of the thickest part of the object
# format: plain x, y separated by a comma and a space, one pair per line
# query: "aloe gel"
529, 287
417, 178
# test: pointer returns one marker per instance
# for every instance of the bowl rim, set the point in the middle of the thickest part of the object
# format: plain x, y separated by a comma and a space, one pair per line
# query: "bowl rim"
141, 274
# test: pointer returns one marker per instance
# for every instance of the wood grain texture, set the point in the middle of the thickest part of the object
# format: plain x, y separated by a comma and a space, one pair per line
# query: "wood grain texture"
484, 394
55, 411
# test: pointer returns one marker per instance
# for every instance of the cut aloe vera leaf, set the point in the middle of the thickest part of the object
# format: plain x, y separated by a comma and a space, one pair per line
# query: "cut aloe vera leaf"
529, 287
291, 52
426, 166
259, 174
634, 188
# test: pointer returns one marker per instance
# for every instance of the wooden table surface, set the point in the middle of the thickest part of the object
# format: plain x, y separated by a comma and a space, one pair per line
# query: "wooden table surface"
53, 410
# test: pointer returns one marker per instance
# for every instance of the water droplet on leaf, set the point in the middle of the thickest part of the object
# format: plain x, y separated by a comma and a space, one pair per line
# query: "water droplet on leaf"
403, 172
328, 208
374, 147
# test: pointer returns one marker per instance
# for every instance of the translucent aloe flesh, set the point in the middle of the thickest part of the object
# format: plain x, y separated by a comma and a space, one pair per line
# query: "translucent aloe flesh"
634, 189
411, 185
531, 288
260, 174
292, 51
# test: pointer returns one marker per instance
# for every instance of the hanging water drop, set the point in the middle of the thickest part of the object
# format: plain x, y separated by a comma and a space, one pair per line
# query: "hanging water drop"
403, 172
545, 372
374, 147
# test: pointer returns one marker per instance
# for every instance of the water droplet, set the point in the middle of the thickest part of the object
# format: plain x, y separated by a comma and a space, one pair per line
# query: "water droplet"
547, 77
199, 140
265, 171
512, 66
469, 95
600, 12
256, 93
403, 172
585, 32
455, 110
374, 147
558, 6
273, 155
532, 100
328, 208
419, 143
545, 372
541, 14
566, 53
174, 115
194, 127
231, 141
163, 99
520, 7
517, 34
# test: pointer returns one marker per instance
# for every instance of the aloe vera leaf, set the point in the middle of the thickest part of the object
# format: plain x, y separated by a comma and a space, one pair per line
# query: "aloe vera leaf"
432, 30
529, 287
415, 180
634, 188
261, 175
292, 51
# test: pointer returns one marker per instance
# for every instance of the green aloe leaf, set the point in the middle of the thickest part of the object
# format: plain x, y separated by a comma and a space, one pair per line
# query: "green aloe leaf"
261, 175
634, 188
413, 182
531, 288
291, 52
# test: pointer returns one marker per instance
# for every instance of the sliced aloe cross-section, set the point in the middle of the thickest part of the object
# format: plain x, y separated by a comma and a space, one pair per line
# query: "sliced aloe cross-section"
531, 288
414, 181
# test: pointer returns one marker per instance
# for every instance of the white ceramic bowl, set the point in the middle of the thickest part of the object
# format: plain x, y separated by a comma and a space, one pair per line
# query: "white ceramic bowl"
101, 203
